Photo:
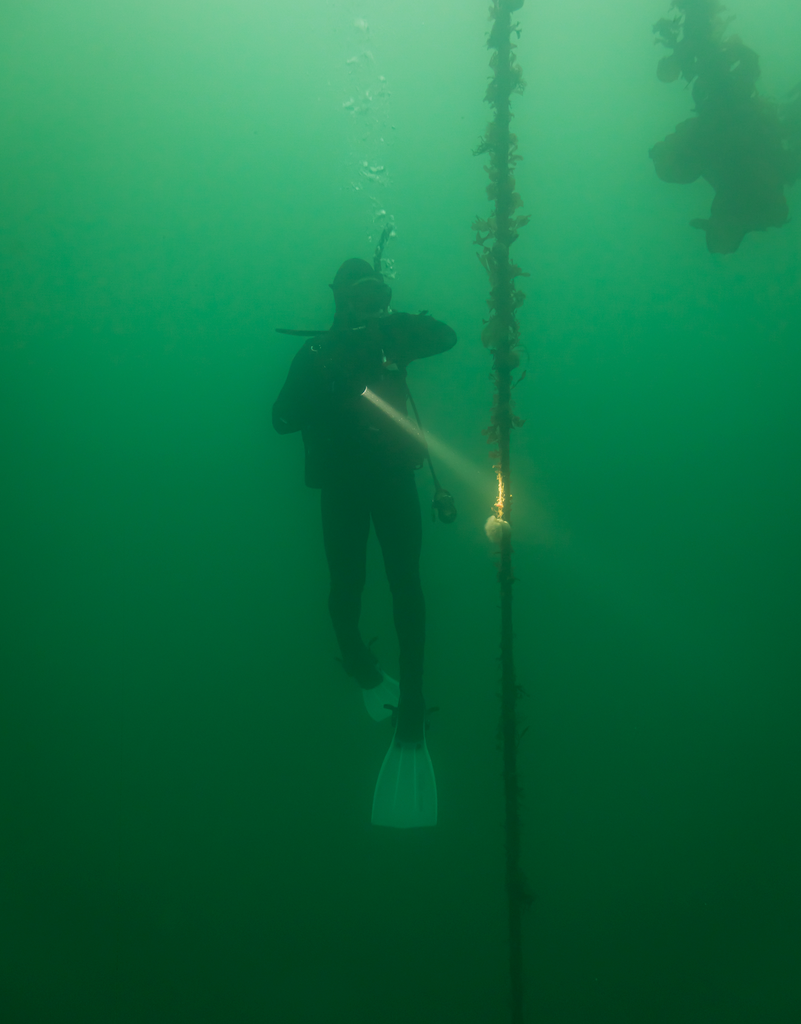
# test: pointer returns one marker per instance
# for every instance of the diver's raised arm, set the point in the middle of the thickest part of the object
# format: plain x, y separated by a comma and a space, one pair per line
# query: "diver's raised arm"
410, 336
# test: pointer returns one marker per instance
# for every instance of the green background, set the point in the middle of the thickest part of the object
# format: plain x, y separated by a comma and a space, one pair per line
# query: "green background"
186, 773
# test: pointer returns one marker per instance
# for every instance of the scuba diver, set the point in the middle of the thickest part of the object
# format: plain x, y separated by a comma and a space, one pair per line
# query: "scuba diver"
346, 392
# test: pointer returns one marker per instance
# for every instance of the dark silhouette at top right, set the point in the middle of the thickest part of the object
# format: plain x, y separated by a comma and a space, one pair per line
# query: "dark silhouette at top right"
747, 147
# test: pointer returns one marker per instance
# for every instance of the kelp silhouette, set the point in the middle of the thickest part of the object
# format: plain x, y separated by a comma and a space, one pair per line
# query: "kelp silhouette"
744, 145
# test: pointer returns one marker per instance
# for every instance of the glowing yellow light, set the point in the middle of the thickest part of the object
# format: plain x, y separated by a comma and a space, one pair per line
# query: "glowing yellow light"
496, 527
500, 503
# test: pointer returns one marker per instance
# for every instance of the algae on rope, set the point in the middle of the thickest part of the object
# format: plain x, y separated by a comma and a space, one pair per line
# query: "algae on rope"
501, 335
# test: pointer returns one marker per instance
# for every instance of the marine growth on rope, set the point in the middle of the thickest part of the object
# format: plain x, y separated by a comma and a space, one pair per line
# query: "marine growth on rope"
496, 234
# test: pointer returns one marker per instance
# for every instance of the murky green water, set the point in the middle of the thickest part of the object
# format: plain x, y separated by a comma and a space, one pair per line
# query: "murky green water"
186, 772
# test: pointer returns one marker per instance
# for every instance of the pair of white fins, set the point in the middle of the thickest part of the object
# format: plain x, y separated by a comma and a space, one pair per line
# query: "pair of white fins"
406, 791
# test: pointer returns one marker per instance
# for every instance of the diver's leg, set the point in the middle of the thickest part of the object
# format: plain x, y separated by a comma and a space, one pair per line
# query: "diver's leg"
346, 526
395, 509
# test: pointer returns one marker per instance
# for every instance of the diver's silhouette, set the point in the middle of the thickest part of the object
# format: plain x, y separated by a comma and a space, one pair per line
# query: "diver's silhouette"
363, 462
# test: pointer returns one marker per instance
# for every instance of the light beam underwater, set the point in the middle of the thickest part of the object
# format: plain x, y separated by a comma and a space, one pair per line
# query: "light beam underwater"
462, 467
537, 523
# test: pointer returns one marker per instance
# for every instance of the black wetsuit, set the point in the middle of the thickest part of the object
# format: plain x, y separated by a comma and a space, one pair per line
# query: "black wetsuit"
363, 462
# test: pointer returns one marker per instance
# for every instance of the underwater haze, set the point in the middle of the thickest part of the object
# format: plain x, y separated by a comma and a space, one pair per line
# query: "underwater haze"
186, 772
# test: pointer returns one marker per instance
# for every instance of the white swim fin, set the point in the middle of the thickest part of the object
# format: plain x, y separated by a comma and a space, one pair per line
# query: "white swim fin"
406, 790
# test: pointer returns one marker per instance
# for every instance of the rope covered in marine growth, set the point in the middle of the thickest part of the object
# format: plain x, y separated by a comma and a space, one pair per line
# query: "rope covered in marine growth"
501, 335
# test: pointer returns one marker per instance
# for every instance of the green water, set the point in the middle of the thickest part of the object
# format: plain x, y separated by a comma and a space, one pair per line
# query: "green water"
186, 771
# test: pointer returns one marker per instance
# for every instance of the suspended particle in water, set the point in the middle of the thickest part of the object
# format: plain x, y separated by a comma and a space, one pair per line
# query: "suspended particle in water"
352, 60
361, 24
